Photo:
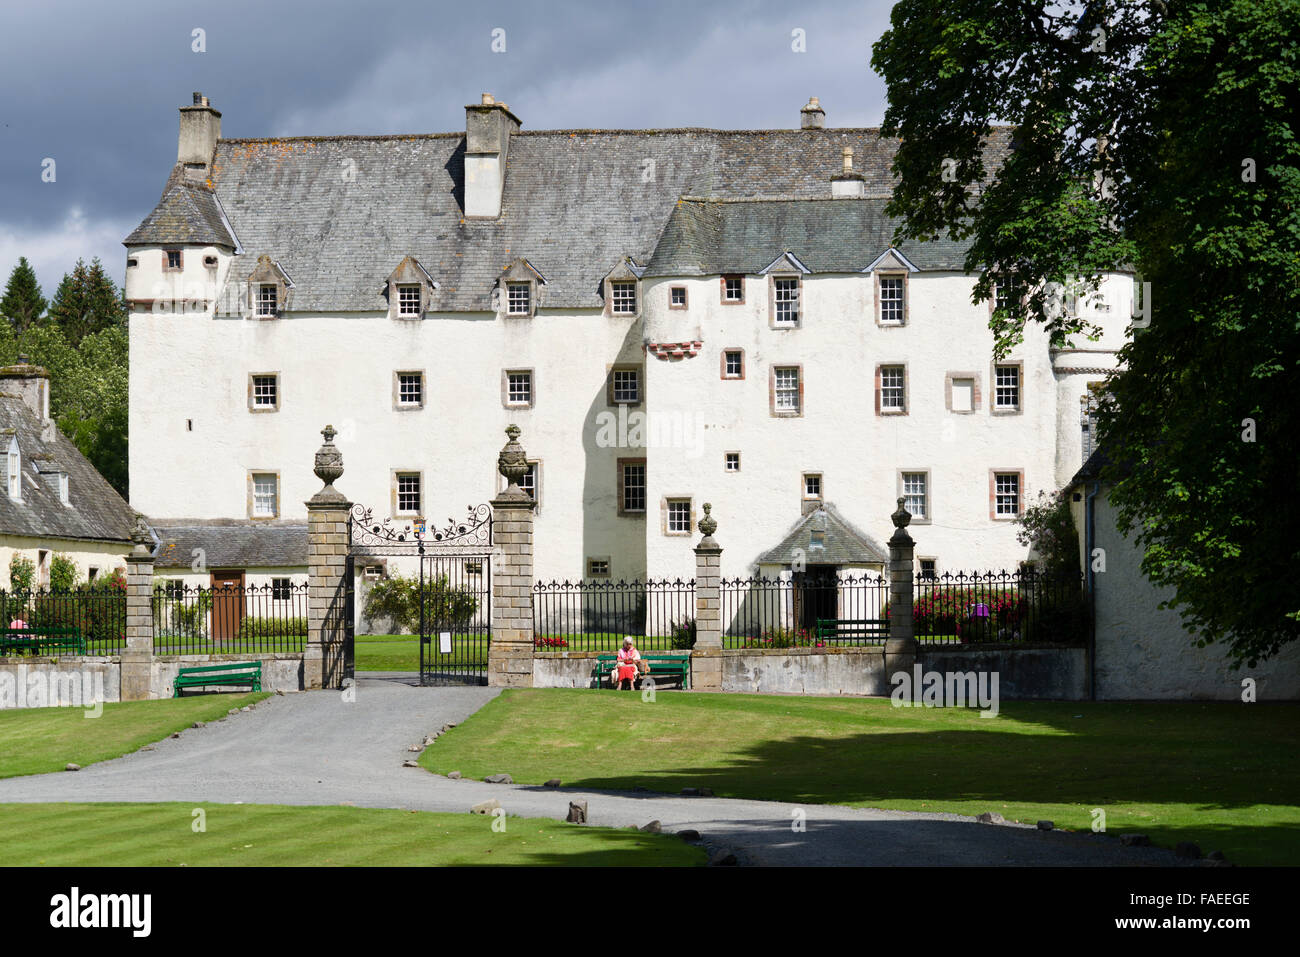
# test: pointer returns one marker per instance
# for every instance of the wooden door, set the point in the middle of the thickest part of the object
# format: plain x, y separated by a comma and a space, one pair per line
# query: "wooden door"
227, 604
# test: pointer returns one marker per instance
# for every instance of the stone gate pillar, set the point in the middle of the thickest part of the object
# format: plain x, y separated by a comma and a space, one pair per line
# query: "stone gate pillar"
901, 648
137, 659
706, 658
510, 650
328, 543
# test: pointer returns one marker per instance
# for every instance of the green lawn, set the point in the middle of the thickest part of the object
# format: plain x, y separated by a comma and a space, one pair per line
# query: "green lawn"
285, 644
37, 740
1221, 774
163, 835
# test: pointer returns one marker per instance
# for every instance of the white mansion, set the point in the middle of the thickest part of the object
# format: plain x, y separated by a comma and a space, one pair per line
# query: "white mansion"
672, 317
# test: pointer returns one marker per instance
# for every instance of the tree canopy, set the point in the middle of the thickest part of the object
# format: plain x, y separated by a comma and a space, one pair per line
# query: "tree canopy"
23, 305
1161, 137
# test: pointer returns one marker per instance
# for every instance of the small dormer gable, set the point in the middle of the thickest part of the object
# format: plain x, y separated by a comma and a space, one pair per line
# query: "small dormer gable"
787, 262
269, 289
409, 290
621, 289
891, 260
518, 290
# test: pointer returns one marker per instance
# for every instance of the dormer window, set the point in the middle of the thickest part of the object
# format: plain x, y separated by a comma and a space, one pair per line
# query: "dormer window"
518, 298
267, 301
619, 288
624, 298
786, 303
408, 300
409, 290
14, 472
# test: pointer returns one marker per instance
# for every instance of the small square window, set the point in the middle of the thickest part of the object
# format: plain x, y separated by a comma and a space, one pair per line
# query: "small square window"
733, 289
731, 461
408, 299
266, 495
928, 567
1006, 393
266, 392
529, 482
408, 493
892, 397
677, 297
812, 485
733, 364
173, 259
891, 300
519, 388
787, 302
623, 298
597, 567
410, 389
518, 298
626, 386
678, 519
281, 589
266, 300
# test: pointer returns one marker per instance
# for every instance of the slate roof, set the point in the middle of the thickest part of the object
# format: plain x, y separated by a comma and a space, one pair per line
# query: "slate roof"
575, 203
231, 543
706, 237
841, 543
186, 213
95, 511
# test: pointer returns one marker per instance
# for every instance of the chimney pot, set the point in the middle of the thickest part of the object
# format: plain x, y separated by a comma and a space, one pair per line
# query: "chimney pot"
487, 99
812, 116
198, 99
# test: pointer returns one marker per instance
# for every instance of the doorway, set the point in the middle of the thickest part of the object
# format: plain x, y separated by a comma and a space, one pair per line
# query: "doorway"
816, 595
227, 604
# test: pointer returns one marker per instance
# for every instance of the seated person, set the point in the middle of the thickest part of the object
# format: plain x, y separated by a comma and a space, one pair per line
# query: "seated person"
628, 658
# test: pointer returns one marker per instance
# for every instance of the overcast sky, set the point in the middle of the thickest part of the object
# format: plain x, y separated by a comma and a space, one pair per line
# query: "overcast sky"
96, 86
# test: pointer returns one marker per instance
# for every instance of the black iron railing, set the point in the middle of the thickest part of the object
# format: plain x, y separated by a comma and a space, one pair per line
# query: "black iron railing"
1019, 607
91, 617
785, 612
229, 619
596, 615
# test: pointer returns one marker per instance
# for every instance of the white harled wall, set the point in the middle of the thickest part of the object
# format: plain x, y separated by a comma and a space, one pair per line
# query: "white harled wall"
194, 440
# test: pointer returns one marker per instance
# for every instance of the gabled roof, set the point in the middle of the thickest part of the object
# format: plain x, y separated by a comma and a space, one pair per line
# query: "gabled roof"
231, 543
186, 213
824, 537
94, 511
574, 202
708, 236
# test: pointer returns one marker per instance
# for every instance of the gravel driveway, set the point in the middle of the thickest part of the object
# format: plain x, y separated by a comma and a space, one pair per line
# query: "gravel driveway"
314, 748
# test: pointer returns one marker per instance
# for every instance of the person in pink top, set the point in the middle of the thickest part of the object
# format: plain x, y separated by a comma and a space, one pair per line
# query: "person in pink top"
628, 658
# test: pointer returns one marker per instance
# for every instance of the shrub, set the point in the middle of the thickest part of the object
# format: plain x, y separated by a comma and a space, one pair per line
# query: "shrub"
550, 643
64, 573
782, 638
256, 626
682, 637
398, 598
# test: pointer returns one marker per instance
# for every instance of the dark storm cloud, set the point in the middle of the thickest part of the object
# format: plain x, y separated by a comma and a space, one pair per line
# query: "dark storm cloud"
95, 86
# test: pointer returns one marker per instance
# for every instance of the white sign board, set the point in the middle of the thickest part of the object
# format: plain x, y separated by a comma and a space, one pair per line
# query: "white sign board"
444, 642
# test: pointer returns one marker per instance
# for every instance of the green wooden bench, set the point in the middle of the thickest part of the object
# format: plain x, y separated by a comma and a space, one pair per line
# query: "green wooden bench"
660, 664
240, 674
837, 629
42, 641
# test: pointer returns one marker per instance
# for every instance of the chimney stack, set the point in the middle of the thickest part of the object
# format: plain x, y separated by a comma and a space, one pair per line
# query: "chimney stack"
812, 116
200, 130
488, 125
31, 383
848, 184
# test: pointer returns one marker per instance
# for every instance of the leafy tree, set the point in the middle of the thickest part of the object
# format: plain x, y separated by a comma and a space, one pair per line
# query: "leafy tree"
64, 573
1048, 527
87, 301
23, 305
1160, 135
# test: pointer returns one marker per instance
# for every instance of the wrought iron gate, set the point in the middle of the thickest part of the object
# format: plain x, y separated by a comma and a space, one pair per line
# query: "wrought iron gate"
454, 589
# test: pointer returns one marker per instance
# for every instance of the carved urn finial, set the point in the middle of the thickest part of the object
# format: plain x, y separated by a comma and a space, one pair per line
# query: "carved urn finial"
902, 517
329, 460
513, 464
141, 536
708, 524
